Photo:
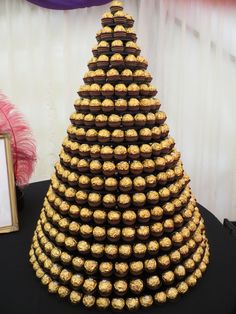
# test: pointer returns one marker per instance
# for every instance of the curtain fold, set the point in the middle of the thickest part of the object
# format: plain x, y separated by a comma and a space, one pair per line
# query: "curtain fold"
191, 49
67, 4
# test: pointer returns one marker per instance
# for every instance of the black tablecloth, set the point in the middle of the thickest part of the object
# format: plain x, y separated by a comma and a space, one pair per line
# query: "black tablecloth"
22, 292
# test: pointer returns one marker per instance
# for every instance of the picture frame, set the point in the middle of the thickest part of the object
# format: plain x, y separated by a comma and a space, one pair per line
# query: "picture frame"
8, 207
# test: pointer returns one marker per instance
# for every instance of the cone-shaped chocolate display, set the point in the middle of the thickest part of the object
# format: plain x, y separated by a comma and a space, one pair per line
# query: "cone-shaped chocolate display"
119, 227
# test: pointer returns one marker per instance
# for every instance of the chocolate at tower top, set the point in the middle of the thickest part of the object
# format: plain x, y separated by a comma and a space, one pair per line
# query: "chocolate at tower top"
119, 227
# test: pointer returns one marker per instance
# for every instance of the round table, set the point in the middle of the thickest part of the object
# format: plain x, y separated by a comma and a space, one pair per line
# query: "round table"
21, 291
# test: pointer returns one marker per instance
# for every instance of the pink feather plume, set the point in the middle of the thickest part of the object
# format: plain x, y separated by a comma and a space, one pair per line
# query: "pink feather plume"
22, 142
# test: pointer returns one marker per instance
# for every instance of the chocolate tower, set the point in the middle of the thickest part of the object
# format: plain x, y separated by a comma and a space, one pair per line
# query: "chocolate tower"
120, 226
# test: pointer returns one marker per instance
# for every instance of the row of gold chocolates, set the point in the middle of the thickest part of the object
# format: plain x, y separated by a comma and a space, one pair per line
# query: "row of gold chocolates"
69, 155
122, 252
120, 269
72, 150
125, 76
120, 287
124, 184
106, 269
123, 201
116, 46
129, 136
119, 121
119, 17
118, 136
187, 255
120, 32
112, 250
169, 208
70, 176
161, 170
57, 209
143, 232
179, 201
105, 287
184, 207
128, 217
119, 62
119, 166
119, 90
137, 197
119, 303
132, 105
109, 152
121, 151
113, 217
114, 234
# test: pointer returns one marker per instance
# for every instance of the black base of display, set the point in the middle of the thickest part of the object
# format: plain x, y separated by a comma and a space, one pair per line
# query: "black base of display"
230, 227
21, 292
19, 198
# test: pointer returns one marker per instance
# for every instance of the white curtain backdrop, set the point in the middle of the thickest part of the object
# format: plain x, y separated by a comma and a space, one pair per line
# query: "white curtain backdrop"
191, 48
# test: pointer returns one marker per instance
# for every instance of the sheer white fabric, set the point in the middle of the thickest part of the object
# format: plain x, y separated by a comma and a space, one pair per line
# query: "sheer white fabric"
191, 49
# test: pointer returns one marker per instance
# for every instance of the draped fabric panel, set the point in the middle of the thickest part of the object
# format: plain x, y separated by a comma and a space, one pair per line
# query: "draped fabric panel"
67, 4
191, 49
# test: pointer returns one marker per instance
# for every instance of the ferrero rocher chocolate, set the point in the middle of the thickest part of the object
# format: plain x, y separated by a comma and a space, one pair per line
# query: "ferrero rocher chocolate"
179, 271
168, 277
53, 287
106, 268
132, 303
78, 263
153, 282
66, 258
121, 269
172, 293
120, 227
89, 285
45, 280
105, 287
75, 297
55, 270
63, 292
102, 303
65, 275
160, 297
120, 287
90, 266
146, 300
182, 287
118, 304
88, 300
76, 281
150, 265
136, 286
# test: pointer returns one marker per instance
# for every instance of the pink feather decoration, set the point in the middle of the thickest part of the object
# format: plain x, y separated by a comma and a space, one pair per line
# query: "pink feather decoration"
22, 142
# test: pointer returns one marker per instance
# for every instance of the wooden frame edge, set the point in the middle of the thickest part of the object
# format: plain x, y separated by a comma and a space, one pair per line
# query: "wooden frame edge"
11, 185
